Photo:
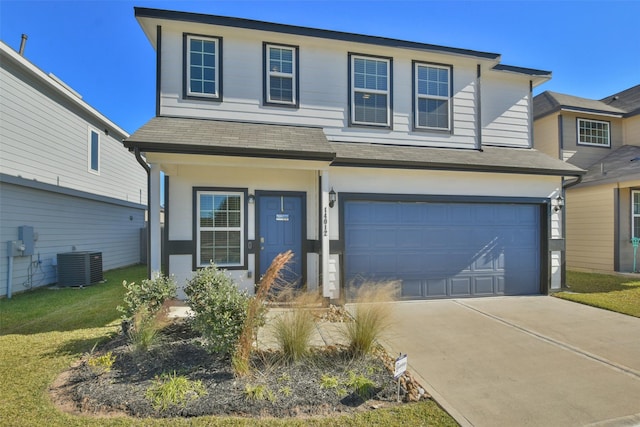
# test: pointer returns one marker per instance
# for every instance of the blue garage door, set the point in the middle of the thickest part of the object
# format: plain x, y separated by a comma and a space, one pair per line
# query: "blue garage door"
441, 250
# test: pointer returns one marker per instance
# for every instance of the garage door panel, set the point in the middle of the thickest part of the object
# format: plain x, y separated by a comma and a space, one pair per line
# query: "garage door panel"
411, 288
461, 286
414, 213
484, 285
445, 249
384, 237
460, 214
436, 288
385, 214
410, 238
411, 263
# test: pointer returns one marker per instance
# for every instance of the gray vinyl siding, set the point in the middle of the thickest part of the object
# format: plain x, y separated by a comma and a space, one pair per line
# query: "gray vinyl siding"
63, 222
44, 138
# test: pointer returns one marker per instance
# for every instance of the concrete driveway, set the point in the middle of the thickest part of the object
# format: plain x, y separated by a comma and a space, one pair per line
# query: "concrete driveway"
523, 361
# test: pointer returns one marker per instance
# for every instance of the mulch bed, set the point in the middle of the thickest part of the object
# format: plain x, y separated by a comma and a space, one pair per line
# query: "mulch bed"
296, 390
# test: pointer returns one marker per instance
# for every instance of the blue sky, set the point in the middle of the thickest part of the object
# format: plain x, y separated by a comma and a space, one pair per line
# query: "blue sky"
98, 48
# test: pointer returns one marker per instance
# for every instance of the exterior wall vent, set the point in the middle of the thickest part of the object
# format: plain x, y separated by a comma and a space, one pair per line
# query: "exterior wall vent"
79, 268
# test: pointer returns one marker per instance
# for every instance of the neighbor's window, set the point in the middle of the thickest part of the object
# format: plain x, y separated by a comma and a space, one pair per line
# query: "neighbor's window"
635, 214
94, 151
202, 66
220, 228
370, 90
594, 132
281, 70
432, 96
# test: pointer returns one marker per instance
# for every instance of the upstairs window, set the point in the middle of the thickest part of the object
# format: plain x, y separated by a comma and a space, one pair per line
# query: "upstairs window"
93, 150
432, 93
281, 75
220, 228
594, 132
202, 67
370, 82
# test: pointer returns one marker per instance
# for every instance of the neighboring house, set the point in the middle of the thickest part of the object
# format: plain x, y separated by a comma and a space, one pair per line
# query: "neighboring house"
371, 158
66, 181
603, 211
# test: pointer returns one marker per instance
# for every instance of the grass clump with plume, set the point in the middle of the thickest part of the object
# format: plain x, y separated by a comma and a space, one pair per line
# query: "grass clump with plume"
294, 329
371, 316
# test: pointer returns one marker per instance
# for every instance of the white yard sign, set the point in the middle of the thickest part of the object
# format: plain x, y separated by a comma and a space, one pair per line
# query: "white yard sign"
401, 366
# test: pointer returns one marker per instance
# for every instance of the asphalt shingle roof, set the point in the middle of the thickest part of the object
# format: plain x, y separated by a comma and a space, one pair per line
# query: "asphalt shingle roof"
498, 159
621, 165
215, 137
625, 103
548, 102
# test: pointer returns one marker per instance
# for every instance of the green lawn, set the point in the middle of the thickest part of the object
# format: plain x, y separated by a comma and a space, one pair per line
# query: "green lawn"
42, 332
612, 292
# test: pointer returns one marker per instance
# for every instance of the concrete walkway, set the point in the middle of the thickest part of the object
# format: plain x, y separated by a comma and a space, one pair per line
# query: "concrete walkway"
523, 361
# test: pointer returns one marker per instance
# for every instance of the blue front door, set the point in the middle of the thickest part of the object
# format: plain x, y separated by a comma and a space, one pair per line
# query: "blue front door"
280, 226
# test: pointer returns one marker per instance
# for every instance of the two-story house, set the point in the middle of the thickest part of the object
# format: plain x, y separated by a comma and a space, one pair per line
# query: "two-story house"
371, 158
603, 210
67, 184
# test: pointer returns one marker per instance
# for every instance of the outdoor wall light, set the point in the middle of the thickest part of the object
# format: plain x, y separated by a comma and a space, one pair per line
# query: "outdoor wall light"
251, 199
559, 203
332, 197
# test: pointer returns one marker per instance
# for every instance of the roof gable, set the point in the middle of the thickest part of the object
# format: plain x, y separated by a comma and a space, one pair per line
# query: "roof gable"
622, 104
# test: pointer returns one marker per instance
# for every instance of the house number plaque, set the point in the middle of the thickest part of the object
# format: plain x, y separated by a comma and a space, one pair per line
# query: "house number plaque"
324, 222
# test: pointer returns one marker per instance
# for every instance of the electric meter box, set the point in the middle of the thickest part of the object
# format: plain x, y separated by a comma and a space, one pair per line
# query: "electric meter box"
25, 233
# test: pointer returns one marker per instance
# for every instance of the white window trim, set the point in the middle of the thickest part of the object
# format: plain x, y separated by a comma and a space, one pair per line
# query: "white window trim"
200, 228
418, 96
216, 93
591, 144
634, 216
91, 130
292, 75
355, 90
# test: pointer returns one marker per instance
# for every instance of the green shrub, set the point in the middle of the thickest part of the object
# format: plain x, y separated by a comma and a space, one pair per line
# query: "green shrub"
150, 294
101, 364
361, 385
169, 389
259, 392
219, 308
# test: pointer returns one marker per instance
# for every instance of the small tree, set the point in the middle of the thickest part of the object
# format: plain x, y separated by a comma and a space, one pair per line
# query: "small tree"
219, 308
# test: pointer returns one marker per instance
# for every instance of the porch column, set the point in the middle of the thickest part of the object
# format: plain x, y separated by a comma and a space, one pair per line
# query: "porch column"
324, 221
155, 238
557, 234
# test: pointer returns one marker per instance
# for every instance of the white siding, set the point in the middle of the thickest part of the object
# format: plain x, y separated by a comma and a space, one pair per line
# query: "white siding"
505, 110
281, 175
45, 139
324, 90
63, 223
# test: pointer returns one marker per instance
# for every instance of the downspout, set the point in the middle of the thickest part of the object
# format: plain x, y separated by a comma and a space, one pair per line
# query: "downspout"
478, 108
563, 262
146, 167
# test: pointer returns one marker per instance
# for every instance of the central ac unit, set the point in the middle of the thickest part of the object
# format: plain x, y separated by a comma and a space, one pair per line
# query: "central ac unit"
79, 268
